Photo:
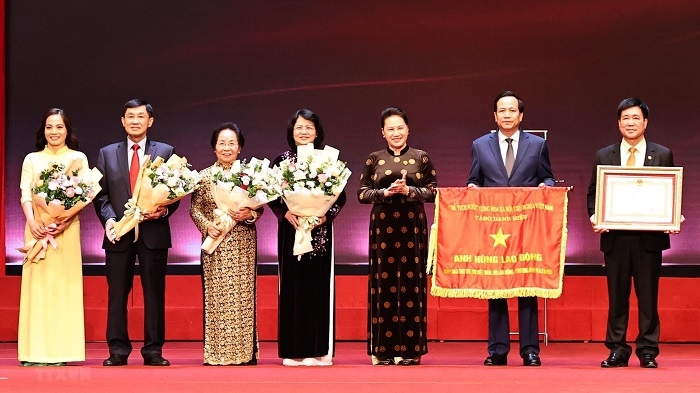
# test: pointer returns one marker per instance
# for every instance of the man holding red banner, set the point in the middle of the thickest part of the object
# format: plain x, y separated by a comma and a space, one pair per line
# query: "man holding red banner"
511, 158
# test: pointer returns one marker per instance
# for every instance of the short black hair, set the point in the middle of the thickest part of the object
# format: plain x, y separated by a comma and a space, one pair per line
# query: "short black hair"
227, 126
631, 102
137, 102
508, 93
310, 116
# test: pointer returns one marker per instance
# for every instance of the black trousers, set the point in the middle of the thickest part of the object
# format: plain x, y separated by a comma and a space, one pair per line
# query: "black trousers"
120, 279
499, 326
628, 260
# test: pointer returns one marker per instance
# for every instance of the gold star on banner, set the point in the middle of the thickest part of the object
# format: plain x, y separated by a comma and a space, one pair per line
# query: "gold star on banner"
499, 238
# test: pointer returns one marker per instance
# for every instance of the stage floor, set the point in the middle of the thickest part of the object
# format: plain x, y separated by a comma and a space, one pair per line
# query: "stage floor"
567, 367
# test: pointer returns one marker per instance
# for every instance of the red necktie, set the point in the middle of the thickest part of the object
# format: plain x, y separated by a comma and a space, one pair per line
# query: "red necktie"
135, 166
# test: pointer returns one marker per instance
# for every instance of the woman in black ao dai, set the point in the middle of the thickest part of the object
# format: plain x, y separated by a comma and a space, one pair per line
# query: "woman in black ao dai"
397, 181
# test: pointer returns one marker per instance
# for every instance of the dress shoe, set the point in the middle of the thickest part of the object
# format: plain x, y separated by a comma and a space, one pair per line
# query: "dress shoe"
317, 361
34, 364
614, 360
531, 359
291, 362
410, 362
648, 361
155, 360
496, 360
115, 360
385, 361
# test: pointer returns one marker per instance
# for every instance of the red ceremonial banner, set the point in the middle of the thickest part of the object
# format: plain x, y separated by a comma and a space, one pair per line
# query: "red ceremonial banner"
498, 242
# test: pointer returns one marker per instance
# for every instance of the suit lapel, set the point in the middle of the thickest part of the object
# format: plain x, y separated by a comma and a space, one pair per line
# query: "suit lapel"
151, 149
651, 158
122, 159
496, 151
614, 156
523, 145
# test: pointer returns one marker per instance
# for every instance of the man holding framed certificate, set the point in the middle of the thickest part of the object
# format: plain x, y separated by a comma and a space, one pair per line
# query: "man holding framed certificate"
632, 248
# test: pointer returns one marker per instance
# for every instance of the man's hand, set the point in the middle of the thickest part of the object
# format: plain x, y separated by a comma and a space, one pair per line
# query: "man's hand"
160, 212
595, 228
676, 232
109, 231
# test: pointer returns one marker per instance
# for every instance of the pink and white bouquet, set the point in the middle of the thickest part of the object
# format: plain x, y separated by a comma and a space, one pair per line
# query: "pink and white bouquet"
247, 184
59, 193
159, 183
310, 186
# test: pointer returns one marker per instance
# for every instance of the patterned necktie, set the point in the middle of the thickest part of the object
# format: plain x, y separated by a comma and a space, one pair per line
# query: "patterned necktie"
510, 156
135, 166
630, 160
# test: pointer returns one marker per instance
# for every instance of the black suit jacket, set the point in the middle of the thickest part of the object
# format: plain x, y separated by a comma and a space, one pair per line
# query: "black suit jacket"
109, 203
655, 155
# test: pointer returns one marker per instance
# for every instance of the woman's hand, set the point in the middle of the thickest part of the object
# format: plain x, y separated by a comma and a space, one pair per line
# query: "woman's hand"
58, 227
213, 231
321, 220
37, 229
241, 214
397, 187
294, 220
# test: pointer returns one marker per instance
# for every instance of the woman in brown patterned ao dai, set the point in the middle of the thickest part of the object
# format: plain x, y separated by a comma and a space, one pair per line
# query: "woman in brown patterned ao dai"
230, 326
397, 180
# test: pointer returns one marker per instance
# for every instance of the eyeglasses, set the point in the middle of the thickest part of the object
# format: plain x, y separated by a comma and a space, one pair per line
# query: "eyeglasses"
232, 145
304, 128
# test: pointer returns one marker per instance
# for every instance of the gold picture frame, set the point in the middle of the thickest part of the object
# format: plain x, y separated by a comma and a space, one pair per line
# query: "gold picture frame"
638, 198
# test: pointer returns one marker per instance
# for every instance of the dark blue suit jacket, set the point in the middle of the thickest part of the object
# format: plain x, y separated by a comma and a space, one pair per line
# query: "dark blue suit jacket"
109, 203
531, 165
656, 155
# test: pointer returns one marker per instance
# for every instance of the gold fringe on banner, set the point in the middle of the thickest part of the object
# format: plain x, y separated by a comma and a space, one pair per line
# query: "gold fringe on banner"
479, 293
433, 243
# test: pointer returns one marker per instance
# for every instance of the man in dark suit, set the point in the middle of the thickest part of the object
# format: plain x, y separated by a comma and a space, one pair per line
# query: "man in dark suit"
118, 163
511, 158
631, 254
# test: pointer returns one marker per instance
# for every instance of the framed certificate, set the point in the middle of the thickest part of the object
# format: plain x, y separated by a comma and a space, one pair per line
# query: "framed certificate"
639, 198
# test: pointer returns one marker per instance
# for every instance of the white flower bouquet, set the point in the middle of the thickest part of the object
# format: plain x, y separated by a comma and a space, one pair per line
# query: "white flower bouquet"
159, 183
247, 184
59, 193
310, 186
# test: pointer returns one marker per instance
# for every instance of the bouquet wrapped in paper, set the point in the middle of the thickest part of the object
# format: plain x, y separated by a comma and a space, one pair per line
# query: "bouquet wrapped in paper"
59, 193
159, 183
310, 186
246, 184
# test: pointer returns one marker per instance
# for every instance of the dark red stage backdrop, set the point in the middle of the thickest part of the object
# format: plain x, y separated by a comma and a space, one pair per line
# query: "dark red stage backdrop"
256, 63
